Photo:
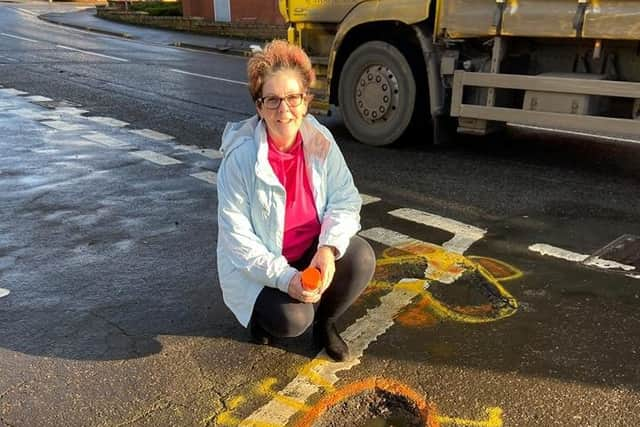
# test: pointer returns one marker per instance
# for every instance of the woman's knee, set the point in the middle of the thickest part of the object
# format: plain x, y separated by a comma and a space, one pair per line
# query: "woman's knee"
364, 258
294, 320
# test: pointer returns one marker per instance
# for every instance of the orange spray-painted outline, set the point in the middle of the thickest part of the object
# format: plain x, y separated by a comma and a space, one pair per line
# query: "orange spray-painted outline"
427, 410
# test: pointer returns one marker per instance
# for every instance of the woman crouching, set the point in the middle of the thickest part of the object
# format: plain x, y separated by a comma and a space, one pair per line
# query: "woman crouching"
287, 201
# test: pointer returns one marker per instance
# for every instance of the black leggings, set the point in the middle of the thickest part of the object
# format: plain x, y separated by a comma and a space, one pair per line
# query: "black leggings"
282, 316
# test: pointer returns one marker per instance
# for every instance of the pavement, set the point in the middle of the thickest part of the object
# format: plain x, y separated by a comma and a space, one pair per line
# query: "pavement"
86, 19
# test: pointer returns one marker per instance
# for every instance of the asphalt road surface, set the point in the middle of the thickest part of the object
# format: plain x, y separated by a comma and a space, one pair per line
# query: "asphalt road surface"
507, 288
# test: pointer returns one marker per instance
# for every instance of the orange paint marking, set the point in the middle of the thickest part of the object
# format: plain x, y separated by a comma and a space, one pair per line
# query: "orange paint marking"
499, 270
417, 315
427, 410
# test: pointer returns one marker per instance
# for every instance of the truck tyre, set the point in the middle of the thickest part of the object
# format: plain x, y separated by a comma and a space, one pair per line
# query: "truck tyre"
377, 93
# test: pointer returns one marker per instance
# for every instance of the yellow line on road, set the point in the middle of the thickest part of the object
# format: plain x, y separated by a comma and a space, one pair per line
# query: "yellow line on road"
494, 420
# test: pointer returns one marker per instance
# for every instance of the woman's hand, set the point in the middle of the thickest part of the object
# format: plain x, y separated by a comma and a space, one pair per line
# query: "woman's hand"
296, 291
325, 261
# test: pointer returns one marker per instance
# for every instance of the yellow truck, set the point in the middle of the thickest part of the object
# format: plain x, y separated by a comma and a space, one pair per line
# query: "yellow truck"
393, 66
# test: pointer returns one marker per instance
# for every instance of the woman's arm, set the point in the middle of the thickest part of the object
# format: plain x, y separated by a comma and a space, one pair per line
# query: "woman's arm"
237, 241
341, 219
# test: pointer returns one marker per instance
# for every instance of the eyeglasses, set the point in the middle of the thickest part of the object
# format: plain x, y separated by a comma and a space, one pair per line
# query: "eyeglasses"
272, 102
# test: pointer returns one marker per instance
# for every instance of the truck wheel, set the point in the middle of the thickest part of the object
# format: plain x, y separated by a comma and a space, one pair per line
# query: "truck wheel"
377, 93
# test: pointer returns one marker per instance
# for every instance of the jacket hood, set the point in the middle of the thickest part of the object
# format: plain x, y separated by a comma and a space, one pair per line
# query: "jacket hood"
238, 133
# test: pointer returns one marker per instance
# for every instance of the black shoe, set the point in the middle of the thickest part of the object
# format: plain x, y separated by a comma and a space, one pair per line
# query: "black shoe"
258, 334
326, 335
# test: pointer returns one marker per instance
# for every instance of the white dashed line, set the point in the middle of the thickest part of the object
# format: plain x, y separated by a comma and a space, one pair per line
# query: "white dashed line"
32, 114
157, 158
19, 38
8, 58
544, 249
209, 153
38, 98
206, 152
465, 234
28, 12
367, 199
207, 176
4, 292
108, 121
387, 237
106, 140
605, 264
12, 92
395, 239
152, 134
71, 110
64, 126
204, 76
92, 53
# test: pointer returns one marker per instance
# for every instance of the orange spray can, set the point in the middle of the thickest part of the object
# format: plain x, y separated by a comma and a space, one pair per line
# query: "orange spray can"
311, 279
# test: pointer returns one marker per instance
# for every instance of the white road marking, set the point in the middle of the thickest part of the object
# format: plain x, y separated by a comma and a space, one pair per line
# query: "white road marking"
544, 249
108, 121
209, 153
157, 158
14, 92
28, 12
208, 176
13, 36
464, 234
367, 199
103, 139
92, 53
64, 126
4, 292
358, 336
8, 58
38, 98
152, 134
204, 76
33, 114
395, 239
206, 152
388, 237
71, 110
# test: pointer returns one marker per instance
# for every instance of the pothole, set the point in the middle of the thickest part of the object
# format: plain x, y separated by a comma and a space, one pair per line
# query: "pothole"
375, 402
373, 408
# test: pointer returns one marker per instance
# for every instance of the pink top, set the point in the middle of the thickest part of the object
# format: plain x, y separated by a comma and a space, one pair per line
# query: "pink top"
301, 225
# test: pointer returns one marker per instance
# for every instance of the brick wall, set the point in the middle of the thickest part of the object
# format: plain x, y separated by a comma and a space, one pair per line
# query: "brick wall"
197, 9
263, 11
242, 30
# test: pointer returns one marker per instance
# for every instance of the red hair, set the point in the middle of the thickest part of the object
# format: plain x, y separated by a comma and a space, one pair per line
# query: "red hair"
278, 55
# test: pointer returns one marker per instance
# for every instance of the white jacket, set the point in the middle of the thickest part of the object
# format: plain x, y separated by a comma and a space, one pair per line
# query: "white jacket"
251, 207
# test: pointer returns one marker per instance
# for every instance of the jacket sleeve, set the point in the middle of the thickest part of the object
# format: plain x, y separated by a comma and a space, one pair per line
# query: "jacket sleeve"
341, 219
239, 248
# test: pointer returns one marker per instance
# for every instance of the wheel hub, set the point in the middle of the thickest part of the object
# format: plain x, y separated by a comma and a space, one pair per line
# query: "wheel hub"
377, 93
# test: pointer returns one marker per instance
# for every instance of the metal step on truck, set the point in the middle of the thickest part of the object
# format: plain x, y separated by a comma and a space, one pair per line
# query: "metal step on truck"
393, 66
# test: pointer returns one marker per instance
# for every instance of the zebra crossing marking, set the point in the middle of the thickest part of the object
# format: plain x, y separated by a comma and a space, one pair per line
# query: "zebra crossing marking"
106, 140
63, 126
152, 134
157, 158
207, 176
